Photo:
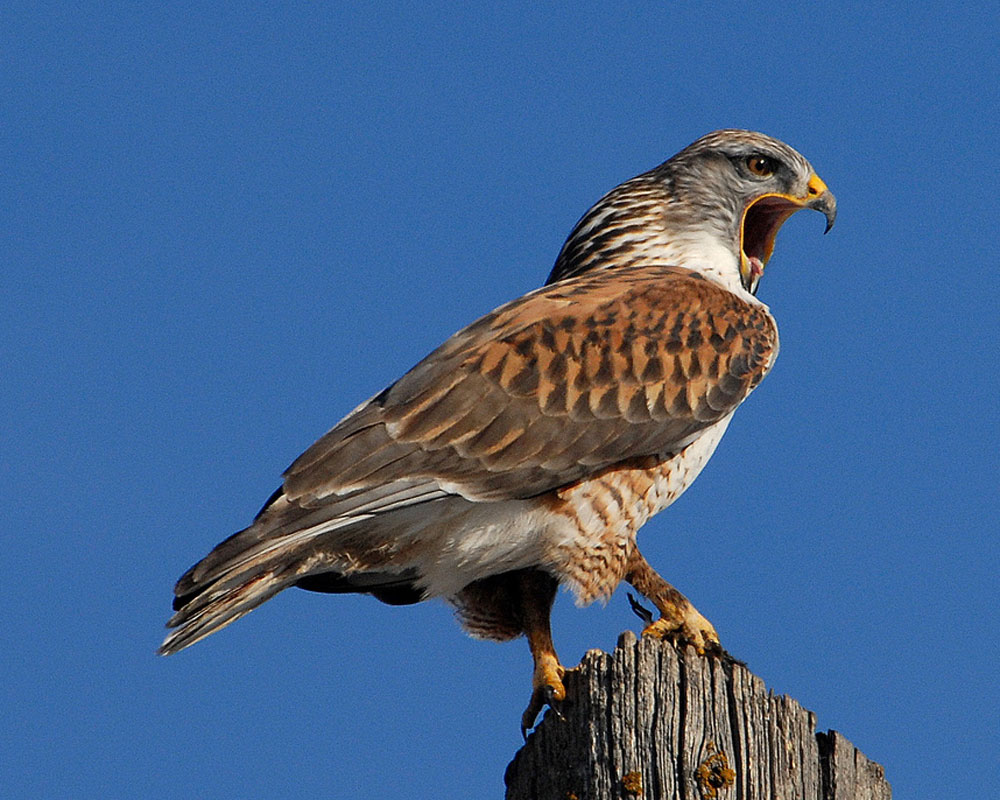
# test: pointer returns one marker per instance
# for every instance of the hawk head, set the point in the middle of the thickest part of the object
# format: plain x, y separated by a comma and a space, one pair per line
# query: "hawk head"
715, 207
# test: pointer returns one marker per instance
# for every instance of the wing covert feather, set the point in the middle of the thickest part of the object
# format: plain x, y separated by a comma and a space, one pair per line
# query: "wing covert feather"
545, 390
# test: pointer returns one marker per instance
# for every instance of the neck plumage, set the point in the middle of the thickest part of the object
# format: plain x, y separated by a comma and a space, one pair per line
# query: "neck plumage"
636, 223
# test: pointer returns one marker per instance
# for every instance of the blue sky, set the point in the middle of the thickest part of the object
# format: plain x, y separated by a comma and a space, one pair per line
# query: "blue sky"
224, 225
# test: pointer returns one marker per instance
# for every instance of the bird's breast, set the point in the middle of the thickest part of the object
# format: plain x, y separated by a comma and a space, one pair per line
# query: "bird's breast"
596, 519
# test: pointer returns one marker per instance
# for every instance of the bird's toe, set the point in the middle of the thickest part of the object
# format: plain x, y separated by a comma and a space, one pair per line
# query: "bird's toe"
691, 628
547, 690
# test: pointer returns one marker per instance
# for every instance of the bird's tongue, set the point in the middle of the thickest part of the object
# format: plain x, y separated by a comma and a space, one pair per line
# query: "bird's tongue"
756, 266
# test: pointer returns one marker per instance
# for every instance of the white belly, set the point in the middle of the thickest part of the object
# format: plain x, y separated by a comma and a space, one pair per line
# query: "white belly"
680, 471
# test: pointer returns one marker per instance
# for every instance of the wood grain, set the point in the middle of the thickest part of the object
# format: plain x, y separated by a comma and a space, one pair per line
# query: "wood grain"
655, 722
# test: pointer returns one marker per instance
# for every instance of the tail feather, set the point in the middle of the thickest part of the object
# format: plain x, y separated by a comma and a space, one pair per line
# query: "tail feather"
369, 550
253, 544
214, 610
219, 590
242, 572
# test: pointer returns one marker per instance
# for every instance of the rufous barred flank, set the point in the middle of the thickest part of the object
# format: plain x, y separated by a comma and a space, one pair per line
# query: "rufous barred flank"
529, 448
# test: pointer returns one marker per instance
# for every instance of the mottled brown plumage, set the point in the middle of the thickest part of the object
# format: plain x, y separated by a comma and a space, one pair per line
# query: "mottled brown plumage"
545, 390
530, 447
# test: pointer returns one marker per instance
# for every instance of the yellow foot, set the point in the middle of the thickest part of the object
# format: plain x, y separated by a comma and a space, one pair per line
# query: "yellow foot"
547, 690
689, 627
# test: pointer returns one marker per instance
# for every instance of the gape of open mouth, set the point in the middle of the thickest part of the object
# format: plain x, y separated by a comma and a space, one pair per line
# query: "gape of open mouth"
761, 221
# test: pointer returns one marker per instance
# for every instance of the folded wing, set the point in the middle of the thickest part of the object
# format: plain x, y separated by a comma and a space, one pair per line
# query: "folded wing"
542, 392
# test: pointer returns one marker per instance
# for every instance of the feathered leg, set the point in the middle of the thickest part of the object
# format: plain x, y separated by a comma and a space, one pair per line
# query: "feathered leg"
536, 595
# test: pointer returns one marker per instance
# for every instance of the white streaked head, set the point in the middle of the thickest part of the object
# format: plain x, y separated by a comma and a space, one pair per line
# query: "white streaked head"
715, 207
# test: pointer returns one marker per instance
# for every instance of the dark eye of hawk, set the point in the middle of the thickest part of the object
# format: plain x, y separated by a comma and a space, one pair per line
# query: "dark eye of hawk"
762, 166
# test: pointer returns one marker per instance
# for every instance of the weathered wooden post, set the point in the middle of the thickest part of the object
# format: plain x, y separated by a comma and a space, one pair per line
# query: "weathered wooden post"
656, 722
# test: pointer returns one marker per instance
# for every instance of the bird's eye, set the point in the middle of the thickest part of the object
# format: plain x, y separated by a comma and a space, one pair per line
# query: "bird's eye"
761, 166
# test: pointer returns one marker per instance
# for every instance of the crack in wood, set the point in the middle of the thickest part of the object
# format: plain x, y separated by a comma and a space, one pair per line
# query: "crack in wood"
651, 704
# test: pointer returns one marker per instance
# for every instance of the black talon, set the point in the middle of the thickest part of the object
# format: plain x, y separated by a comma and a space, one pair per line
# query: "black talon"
535, 708
555, 705
640, 610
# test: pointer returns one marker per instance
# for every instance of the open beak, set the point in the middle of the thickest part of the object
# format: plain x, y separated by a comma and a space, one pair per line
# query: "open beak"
766, 214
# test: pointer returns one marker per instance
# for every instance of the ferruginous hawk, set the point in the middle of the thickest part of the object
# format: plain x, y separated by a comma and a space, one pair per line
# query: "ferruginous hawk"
529, 448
